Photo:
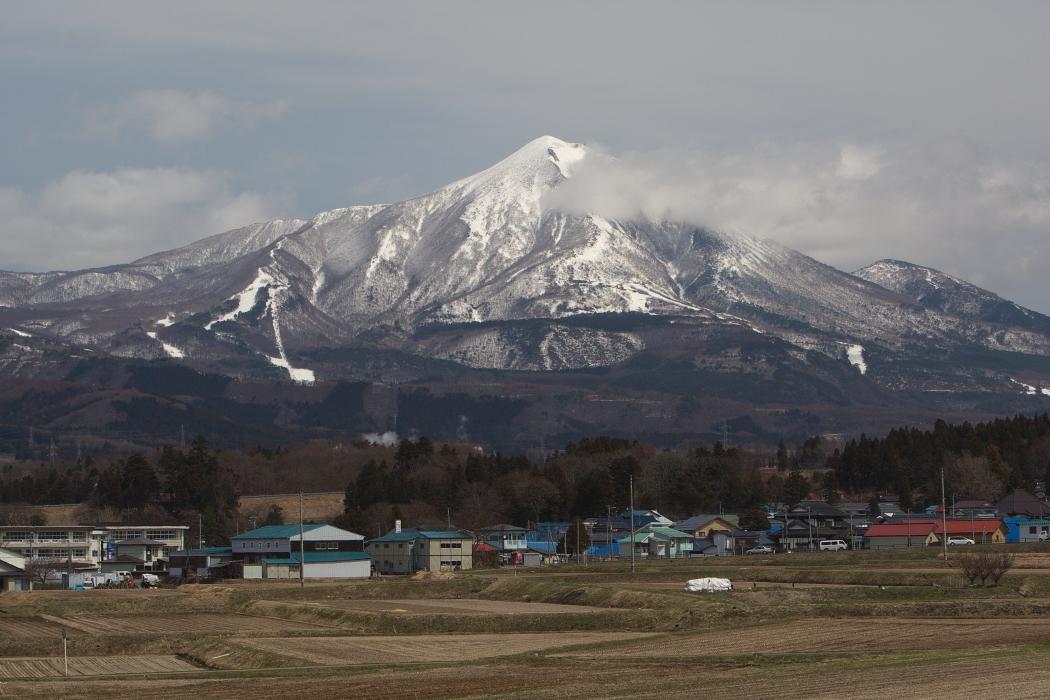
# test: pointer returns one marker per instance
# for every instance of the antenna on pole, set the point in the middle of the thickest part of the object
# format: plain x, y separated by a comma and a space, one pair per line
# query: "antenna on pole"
944, 519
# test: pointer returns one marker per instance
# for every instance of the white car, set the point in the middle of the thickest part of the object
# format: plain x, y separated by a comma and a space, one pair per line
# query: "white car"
832, 545
955, 539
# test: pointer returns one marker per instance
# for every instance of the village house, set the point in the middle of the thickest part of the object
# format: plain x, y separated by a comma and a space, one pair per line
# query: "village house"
14, 575
409, 550
809, 522
969, 508
1019, 502
273, 551
705, 525
657, 542
510, 541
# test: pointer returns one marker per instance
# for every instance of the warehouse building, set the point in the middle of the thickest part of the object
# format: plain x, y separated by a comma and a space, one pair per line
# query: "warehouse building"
273, 551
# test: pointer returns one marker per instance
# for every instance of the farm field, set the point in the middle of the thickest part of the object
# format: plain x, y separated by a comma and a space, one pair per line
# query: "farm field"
845, 636
184, 623
469, 606
899, 624
91, 666
427, 648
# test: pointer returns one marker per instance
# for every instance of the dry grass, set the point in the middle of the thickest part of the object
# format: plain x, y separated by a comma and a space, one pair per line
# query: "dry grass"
317, 507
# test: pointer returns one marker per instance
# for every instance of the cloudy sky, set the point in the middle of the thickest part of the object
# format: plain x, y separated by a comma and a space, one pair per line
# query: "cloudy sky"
852, 131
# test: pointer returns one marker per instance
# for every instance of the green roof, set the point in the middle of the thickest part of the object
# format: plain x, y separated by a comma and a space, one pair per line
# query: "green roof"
319, 557
668, 533
275, 532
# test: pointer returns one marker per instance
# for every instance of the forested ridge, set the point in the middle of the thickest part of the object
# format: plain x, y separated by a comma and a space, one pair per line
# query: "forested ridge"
421, 482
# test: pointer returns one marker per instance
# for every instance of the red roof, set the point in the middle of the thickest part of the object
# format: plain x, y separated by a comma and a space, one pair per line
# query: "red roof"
963, 527
915, 528
482, 547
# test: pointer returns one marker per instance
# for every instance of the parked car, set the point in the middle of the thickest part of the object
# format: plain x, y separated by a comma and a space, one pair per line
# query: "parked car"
759, 549
956, 539
832, 545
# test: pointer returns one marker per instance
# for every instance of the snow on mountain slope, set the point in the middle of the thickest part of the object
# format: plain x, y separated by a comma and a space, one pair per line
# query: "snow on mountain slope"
486, 249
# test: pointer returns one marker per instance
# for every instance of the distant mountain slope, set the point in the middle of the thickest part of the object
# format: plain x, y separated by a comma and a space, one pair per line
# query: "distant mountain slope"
480, 275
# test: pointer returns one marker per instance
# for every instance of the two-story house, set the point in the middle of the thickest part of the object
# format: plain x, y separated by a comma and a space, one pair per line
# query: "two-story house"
809, 522
273, 551
409, 550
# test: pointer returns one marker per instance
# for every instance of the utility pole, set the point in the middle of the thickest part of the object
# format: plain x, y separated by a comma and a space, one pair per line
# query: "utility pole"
944, 519
200, 530
632, 523
182, 434
809, 522
302, 545
65, 649
579, 557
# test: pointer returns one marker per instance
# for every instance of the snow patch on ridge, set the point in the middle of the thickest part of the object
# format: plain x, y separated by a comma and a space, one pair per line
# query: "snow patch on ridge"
22, 334
1031, 390
169, 349
855, 355
246, 298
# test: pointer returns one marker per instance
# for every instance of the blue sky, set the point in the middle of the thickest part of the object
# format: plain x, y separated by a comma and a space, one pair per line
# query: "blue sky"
848, 130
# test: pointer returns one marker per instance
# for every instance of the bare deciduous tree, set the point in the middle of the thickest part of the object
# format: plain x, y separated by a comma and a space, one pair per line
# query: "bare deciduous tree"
41, 570
985, 566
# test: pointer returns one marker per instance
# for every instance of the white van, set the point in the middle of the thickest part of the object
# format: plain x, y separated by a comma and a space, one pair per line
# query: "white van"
832, 545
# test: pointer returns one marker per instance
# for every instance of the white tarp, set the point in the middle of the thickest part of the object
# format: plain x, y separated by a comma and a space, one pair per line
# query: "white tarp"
697, 585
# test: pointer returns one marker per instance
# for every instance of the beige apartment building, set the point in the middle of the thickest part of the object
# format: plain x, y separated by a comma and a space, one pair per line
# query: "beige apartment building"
408, 551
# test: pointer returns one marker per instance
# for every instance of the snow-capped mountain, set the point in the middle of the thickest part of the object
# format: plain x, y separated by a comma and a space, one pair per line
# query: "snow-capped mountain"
481, 273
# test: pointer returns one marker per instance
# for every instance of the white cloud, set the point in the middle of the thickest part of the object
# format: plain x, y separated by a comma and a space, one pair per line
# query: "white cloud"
846, 204
173, 117
87, 219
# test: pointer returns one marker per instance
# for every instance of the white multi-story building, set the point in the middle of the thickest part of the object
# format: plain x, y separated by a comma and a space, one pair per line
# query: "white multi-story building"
87, 546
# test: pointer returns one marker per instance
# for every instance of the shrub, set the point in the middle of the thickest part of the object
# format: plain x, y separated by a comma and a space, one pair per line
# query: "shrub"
985, 566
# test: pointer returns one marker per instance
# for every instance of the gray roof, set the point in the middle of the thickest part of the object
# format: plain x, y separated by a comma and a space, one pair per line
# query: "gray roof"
1019, 502
502, 527
698, 521
818, 508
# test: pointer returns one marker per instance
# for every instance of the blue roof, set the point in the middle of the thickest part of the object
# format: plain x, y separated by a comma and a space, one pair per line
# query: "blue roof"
411, 534
319, 557
606, 550
275, 532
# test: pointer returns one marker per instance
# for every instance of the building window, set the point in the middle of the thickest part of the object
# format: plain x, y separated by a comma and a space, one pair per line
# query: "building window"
320, 546
450, 545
